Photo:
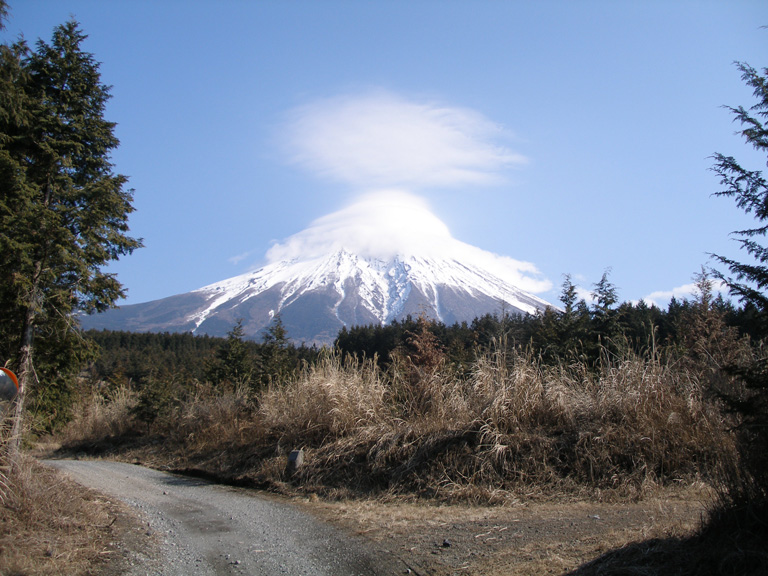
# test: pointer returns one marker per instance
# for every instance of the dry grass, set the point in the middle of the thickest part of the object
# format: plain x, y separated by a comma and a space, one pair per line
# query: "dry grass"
5, 461
49, 525
99, 415
208, 420
331, 399
513, 428
731, 542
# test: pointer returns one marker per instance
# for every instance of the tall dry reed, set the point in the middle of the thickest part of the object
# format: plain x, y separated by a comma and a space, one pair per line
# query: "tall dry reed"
328, 400
101, 414
513, 425
208, 417
5, 455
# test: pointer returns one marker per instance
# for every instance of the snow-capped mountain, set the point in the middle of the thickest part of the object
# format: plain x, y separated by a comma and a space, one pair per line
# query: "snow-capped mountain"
317, 296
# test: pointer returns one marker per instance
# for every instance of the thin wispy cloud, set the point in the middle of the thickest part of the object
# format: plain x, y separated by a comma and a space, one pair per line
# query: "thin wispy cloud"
236, 259
379, 139
394, 222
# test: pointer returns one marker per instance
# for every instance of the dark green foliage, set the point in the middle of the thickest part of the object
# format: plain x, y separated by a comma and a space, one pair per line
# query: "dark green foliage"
577, 333
459, 341
126, 357
156, 399
63, 212
749, 190
137, 358
50, 402
232, 362
61, 156
374, 340
749, 282
276, 357
607, 333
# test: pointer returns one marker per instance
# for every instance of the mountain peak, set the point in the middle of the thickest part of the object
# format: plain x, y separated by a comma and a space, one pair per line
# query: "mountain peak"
318, 295
384, 257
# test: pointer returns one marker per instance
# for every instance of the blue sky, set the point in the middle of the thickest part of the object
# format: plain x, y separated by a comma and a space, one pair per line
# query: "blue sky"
571, 137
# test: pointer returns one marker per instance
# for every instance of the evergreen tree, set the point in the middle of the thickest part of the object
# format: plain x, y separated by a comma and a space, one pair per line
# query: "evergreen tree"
749, 280
568, 296
749, 189
604, 314
639, 323
233, 362
63, 212
605, 296
574, 321
547, 336
275, 352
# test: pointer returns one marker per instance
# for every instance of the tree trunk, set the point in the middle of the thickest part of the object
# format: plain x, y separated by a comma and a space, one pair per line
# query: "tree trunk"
26, 373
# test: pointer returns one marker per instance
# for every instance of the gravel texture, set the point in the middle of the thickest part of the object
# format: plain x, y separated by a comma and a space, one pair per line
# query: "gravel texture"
191, 526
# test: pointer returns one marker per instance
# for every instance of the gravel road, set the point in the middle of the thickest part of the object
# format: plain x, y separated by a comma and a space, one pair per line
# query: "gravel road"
207, 529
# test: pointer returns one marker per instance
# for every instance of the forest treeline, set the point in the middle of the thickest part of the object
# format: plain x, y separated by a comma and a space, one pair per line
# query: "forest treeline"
133, 358
577, 331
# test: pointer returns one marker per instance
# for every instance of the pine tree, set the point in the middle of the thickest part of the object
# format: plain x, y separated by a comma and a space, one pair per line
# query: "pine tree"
275, 353
604, 314
749, 280
232, 362
749, 189
63, 212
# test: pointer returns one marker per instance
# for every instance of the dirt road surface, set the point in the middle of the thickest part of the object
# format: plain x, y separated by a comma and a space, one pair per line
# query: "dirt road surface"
519, 538
191, 526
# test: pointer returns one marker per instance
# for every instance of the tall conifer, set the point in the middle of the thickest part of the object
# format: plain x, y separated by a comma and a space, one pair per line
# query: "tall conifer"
63, 211
749, 280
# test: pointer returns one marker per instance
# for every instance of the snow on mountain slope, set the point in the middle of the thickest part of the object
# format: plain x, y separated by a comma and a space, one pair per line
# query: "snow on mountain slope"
381, 286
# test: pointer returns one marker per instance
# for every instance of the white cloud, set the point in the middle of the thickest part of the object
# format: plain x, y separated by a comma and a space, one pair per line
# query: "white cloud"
239, 257
379, 139
379, 224
381, 142
391, 222
585, 294
684, 292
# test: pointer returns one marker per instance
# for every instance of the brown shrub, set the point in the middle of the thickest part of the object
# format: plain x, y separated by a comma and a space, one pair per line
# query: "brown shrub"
210, 417
328, 400
100, 414
513, 426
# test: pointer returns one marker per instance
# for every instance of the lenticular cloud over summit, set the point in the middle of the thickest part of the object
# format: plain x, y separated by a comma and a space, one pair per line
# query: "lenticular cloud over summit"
379, 139
390, 223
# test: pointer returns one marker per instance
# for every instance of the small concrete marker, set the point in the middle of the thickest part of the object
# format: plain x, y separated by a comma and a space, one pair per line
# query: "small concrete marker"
295, 460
